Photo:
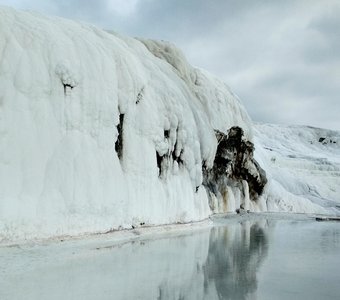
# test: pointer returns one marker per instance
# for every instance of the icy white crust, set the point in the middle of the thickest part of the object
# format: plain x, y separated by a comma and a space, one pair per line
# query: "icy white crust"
65, 87
303, 167
99, 132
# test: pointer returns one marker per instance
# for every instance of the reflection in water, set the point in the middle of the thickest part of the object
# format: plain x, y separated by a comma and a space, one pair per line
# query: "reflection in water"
228, 261
235, 254
212, 263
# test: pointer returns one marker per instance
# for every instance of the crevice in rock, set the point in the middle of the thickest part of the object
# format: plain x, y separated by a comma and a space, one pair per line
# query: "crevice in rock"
160, 159
166, 134
119, 141
66, 85
178, 159
165, 162
140, 95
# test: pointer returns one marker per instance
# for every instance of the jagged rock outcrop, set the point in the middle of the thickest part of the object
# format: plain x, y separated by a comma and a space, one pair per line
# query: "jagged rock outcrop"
234, 168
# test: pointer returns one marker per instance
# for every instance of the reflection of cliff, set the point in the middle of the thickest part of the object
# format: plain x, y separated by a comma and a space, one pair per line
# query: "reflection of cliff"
235, 254
210, 263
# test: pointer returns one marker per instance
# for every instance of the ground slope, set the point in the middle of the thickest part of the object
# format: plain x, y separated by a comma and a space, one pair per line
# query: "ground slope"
303, 167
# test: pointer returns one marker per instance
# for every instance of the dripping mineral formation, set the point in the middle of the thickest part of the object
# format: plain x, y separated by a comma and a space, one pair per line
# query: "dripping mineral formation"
234, 169
100, 132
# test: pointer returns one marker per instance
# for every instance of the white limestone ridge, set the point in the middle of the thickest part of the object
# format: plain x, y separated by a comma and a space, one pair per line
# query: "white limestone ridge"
100, 131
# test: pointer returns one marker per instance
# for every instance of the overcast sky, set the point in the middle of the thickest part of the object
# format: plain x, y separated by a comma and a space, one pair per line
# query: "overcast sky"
281, 57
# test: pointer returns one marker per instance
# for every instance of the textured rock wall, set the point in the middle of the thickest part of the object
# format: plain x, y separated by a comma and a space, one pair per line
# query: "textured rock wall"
234, 168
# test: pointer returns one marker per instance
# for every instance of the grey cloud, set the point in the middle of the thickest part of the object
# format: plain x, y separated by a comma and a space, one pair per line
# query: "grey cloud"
300, 83
182, 20
94, 11
326, 29
84, 10
328, 22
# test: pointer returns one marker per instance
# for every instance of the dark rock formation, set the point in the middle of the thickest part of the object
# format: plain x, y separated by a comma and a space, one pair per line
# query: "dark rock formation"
160, 159
119, 141
234, 163
67, 86
326, 140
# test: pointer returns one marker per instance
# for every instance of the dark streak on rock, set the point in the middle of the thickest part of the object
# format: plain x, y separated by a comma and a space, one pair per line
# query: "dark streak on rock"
66, 85
159, 163
233, 163
119, 141
166, 134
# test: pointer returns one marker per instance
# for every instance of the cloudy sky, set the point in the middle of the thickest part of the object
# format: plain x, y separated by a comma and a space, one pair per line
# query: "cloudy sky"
281, 57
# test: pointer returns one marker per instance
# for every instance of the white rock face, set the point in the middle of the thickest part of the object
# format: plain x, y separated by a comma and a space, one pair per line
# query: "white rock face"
99, 132
64, 88
303, 168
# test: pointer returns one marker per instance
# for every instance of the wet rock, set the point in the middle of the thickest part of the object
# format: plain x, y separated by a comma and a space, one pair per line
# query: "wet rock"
119, 141
233, 164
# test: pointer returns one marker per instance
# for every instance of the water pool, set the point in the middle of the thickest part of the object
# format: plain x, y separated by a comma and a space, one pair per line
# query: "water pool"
257, 258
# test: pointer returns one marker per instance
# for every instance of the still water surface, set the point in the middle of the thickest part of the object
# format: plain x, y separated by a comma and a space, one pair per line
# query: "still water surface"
251, 259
